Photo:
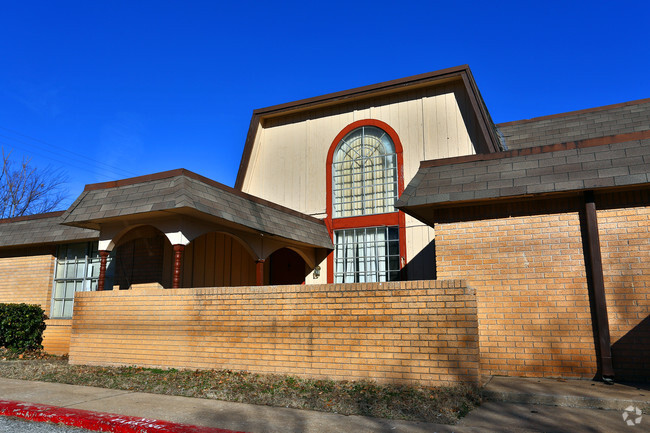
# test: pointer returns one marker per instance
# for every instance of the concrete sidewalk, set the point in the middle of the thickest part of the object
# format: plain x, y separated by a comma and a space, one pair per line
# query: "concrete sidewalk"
521, 407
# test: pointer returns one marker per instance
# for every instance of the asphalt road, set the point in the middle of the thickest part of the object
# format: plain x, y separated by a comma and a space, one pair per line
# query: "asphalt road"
15, 425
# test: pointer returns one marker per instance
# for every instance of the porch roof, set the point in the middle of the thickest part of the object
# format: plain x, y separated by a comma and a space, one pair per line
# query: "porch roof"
604, 164
182, 192
41, 229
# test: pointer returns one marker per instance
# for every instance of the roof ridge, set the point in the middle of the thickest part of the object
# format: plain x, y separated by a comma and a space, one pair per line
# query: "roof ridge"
567, 145
32, 217
576, 112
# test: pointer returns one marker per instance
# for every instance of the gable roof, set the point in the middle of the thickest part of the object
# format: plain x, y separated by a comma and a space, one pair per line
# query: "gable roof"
487, 129
41, 229
183, 192
623, 118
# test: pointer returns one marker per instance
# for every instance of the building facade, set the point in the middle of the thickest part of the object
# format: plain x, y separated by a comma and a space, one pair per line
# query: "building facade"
546, 221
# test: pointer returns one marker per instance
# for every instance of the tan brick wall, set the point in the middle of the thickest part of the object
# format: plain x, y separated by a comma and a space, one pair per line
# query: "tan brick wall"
56, 338
625, 247
532, 294
533, 303
422, 332
27, 279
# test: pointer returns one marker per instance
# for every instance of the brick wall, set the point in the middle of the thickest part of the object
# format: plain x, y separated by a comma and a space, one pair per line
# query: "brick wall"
625, 247
56, 338
422, 332
26, 277
532, 294
533, 304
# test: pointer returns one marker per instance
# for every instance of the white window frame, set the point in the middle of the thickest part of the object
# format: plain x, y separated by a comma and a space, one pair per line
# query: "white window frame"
367, 254
85, 275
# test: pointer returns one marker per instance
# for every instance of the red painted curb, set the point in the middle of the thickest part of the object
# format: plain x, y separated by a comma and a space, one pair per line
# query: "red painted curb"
97, 421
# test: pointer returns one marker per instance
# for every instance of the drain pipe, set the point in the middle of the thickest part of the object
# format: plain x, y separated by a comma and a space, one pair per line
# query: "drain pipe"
595, 268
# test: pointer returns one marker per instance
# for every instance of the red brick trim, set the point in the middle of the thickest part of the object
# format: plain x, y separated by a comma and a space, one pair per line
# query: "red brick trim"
97, 421
577, 112
569, 145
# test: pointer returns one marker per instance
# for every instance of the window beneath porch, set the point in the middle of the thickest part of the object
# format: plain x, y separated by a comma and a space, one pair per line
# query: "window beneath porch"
76, 270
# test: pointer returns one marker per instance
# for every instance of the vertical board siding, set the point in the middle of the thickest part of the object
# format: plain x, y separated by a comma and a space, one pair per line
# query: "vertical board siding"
420, 332
288, 162
216, 260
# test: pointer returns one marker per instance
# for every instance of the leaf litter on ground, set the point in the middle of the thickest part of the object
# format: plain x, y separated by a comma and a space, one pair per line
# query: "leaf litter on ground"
366, 398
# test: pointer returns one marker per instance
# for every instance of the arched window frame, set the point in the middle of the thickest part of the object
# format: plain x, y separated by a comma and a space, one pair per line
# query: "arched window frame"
396, 218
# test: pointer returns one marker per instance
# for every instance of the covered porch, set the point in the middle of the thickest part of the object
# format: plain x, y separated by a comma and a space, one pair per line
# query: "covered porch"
179, 229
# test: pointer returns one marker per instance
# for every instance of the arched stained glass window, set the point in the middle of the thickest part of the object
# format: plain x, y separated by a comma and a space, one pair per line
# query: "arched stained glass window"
364, 174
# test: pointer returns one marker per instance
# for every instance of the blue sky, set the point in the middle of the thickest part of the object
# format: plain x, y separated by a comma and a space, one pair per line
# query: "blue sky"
113, 89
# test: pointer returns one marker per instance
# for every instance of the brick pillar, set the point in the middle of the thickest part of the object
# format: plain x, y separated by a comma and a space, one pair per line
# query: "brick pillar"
178, 257
259, 272
103, 255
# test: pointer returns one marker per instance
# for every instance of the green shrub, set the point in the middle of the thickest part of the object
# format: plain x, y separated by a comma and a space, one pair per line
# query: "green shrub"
21, 326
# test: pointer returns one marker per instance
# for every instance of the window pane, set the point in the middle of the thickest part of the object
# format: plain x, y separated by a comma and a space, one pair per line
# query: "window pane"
60, 270
77, 269
361, 255
364, 179
71, 269
59, 289
67, 309
69, 289
57, 309
93, 269
81, 268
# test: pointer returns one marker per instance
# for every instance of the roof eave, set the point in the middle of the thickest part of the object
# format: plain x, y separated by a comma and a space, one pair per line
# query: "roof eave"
463, 72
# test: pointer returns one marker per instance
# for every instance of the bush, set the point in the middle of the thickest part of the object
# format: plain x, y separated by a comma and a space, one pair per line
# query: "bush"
21, 326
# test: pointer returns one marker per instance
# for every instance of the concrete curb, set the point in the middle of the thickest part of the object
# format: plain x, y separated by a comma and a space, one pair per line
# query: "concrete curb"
97, 421
566, 393
564, 400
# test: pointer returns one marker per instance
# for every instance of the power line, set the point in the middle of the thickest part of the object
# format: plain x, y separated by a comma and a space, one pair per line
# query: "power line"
57, 150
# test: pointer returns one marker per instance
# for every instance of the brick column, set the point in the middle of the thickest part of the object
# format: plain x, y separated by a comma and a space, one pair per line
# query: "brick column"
178, 257
259, 272
103, 255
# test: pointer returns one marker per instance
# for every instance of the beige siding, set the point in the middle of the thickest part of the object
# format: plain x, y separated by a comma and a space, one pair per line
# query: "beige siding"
216, 259
288, 164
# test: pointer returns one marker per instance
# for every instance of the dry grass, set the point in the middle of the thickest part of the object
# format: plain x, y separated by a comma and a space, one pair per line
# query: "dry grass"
440, 405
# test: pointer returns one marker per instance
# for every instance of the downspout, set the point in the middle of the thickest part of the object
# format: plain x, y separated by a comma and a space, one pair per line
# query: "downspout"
597, 288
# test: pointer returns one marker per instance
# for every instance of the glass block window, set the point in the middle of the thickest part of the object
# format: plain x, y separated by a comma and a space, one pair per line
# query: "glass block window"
77, 270
364, 171
369, 254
